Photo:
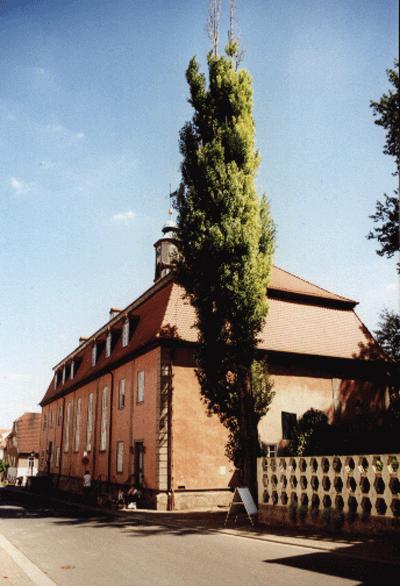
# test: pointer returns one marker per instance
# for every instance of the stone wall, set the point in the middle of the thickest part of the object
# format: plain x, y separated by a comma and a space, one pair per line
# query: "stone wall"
349, 493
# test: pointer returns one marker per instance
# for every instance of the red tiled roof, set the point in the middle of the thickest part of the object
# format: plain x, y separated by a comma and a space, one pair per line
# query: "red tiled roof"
296, 327
313, 321
282, 280
27, 431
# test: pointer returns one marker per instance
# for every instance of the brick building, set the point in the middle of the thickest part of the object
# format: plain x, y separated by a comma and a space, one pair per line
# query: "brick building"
125, 404
22, 447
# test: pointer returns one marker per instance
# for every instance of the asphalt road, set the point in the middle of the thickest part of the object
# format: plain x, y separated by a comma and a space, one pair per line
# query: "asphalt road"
73, 547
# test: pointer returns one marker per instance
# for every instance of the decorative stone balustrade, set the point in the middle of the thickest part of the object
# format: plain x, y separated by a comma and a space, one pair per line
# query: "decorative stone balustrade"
349, 487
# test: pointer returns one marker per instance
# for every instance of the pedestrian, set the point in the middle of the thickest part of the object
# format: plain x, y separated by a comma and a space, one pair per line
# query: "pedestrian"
87, 486
132, 497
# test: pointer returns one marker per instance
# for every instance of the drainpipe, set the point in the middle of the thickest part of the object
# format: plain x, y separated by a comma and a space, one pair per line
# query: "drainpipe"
110, 429
61, 442
170, 484
131, 414
95, 420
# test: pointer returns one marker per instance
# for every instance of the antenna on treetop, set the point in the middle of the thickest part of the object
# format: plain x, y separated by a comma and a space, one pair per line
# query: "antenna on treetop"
214, 15
233, 48
170, 210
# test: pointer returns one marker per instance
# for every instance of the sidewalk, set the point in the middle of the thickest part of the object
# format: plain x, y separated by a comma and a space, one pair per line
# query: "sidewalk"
10, 572
382, 549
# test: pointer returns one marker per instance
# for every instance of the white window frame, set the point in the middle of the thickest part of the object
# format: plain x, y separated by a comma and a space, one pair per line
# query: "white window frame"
55, 379
140, 386
72, 372
67, 426
58, 456
108, 345
103, 423
120, 457
64, 372
77, 437
122, 393
125, 333
89, 423
60, 415
271, 450
94, 354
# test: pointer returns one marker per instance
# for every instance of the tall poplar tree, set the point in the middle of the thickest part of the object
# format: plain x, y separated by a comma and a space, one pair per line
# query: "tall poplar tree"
226, 241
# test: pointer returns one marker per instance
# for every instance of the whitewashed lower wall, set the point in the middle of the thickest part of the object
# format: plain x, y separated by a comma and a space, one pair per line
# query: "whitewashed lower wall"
368, 486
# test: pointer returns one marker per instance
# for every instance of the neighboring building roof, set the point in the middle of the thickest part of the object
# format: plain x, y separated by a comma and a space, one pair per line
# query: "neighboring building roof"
27, 431
3, 437
303, 318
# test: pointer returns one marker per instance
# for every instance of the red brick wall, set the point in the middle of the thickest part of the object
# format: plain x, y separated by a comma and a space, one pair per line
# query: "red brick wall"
135, 422
198, 439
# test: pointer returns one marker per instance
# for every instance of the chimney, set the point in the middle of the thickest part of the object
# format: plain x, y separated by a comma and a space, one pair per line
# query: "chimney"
114, 312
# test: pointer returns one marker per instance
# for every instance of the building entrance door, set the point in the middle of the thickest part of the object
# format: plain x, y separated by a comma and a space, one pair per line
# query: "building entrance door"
31, 463
139, 461
49, 456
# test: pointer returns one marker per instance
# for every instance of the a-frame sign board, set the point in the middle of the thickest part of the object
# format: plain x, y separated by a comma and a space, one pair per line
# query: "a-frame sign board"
242, 499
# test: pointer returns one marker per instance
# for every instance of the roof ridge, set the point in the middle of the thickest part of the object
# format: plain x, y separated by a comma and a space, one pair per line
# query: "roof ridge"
271, 286
137, 302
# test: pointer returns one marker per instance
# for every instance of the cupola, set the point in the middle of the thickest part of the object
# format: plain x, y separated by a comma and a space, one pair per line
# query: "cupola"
166, 248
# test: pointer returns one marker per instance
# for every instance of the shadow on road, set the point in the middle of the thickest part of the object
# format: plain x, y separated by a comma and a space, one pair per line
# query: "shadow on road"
343, 559
352, 568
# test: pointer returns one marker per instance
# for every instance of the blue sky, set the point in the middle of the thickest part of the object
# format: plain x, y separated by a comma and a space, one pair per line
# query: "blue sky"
93, 97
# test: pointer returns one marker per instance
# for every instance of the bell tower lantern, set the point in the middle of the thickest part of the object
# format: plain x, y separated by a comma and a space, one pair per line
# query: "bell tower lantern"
165, 248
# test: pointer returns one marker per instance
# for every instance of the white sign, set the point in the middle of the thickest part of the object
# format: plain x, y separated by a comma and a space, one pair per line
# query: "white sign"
242, 498
247, 500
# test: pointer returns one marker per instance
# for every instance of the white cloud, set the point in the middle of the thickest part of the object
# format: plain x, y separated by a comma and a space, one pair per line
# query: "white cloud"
18, 185
392, 287
40, 71
123, 217
17, 377
65, 133
47, 164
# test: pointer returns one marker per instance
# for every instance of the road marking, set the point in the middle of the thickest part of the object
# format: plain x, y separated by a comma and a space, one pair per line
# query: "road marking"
38, 577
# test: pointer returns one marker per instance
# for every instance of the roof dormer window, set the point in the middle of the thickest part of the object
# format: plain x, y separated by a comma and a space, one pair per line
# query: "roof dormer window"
64, 374
108, 344
56, 380
72, 371
125, 333
94, 354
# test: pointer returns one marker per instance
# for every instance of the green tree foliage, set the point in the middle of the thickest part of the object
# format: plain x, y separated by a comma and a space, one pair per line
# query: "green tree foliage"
225, 250
388, 333
3, 469
386, 217
311, 434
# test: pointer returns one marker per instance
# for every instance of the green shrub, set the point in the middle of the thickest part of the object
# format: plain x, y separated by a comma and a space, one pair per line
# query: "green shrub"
337, 520
302, 512
326, 516
292, 513
311, 434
